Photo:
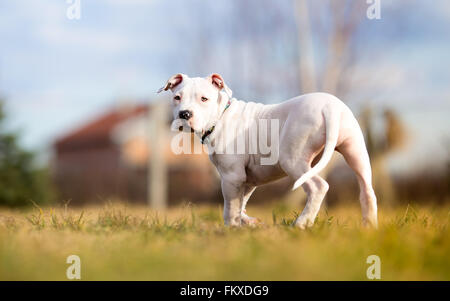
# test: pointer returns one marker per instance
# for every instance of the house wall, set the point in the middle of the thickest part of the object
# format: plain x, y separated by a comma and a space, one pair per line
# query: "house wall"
98, 174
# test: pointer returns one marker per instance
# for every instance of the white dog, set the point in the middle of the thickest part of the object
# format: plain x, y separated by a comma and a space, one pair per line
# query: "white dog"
311, 127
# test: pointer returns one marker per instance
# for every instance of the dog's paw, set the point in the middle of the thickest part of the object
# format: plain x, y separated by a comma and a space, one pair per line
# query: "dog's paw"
370, 223
250, 221
303, 223
232, 222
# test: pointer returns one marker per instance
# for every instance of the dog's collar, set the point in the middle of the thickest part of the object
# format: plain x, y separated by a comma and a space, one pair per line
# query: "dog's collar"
205, 136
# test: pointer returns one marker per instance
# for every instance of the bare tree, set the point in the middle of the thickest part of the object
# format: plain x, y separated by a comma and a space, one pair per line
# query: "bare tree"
306, 70
256, 42
380, 147
337, 39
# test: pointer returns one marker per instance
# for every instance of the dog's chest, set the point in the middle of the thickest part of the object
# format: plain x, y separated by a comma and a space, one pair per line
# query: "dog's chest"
258, 174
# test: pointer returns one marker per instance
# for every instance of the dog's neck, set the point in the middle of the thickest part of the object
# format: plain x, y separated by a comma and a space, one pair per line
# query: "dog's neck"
238, 116
225, 100
208, 132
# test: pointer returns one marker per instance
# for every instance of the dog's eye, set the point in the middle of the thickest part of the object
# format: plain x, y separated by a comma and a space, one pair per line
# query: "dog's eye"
204, 99
177, 97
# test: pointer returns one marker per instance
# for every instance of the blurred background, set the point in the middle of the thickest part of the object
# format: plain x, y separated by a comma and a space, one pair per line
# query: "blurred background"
80, 120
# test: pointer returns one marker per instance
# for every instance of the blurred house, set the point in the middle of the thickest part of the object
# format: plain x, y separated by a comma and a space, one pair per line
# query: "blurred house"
108, 158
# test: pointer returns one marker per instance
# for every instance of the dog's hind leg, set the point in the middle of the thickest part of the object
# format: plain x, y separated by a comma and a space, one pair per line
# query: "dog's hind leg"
355, 154
315, 188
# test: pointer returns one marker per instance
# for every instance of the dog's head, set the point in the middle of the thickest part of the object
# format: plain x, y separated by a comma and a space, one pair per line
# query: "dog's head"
198, 101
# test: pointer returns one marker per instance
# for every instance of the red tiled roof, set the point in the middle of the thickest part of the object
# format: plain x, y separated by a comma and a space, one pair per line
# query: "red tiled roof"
99, 129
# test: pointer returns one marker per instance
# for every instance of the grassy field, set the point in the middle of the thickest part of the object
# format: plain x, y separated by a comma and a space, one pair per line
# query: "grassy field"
118, 242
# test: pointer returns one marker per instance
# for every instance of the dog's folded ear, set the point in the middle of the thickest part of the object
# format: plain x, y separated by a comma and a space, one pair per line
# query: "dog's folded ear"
217, 81
172, 82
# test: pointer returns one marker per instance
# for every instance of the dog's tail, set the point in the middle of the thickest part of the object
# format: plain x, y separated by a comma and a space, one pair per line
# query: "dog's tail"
332, 133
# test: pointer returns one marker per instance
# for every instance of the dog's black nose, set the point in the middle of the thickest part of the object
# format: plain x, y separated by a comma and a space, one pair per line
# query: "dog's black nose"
185, 114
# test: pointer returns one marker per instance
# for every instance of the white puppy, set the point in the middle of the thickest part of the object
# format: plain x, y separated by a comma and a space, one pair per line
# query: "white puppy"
307, 131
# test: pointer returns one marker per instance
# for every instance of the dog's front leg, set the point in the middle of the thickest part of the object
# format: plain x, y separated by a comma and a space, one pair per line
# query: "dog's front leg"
245, 219
232, 194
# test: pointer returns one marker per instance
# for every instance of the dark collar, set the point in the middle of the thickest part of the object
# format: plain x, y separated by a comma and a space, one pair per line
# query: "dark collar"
211, 129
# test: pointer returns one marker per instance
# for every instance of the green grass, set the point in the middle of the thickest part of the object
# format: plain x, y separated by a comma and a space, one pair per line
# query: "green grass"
116, 242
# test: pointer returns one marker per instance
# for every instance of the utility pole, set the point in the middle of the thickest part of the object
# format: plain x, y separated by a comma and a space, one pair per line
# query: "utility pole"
157, 169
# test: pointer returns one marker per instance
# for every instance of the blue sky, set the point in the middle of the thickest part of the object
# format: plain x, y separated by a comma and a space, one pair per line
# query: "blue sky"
56, 73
